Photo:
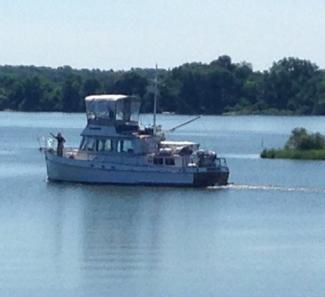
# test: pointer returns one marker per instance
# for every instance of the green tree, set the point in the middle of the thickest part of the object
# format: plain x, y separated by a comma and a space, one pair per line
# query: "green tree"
130, 83
71, 98
286, 80
300, 139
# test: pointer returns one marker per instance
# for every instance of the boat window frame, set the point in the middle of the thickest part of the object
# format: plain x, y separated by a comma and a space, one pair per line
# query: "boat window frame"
85, 144
105, 148
122, 148
171, 160
161, 161
82, 143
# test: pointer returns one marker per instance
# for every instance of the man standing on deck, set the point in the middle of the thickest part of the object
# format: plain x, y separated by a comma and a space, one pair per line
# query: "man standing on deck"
60, 139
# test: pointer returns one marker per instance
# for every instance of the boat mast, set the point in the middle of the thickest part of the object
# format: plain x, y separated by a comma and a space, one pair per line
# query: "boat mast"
155, 103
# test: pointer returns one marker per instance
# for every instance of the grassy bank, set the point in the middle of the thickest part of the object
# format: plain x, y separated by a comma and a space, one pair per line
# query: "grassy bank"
293, 154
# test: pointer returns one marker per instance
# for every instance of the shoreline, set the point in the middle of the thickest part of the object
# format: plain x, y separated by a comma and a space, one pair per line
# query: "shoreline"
293, 154
226, 114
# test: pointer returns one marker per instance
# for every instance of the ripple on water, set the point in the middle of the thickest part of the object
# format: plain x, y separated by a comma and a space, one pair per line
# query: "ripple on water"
6, 153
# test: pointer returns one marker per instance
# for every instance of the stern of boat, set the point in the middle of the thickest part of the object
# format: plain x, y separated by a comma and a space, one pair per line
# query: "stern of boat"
211, 177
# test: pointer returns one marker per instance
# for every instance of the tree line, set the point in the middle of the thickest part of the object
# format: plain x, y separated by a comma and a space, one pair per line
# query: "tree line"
290, 86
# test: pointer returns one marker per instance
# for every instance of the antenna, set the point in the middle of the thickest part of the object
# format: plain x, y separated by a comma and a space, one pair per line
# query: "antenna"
184, 124
155, 102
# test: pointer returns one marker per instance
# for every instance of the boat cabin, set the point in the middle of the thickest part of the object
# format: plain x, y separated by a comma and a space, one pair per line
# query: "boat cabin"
113, 131
113, 126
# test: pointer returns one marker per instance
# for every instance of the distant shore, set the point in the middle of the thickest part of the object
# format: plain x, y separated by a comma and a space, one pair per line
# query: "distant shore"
291, 86
226, 114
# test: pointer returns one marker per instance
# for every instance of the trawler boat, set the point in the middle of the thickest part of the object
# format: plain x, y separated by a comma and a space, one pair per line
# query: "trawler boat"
114, 149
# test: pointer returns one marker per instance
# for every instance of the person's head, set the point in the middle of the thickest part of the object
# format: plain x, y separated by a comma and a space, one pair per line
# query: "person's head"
59, 134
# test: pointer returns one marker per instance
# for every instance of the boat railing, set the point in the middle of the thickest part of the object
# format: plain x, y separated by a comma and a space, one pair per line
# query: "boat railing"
46, 143
221, 162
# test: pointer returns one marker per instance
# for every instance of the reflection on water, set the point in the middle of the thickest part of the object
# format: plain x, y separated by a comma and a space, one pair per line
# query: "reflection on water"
262, 235
126, 232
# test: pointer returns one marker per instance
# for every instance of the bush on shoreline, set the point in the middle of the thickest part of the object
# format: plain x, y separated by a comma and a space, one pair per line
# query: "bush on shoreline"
301, 145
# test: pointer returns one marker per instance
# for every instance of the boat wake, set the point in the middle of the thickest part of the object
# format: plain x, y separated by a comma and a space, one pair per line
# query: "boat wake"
269, 188
6, 153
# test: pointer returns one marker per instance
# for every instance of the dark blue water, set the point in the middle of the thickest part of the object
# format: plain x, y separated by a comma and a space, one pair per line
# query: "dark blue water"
264, 235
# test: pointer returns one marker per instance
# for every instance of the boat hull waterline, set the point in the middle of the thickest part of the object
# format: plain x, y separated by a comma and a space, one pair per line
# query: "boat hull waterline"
84, 171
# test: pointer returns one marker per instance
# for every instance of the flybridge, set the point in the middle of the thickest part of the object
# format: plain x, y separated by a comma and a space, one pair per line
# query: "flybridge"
112, 108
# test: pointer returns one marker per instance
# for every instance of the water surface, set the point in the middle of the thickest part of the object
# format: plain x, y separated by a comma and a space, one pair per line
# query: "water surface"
264, 235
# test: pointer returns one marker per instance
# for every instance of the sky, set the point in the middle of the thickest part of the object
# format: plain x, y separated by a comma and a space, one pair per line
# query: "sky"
124, 34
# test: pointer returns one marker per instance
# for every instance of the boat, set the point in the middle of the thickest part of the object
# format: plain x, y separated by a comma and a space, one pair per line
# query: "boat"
114, 149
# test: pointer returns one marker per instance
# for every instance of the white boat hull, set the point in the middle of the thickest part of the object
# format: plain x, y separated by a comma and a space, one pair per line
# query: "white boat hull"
85, 171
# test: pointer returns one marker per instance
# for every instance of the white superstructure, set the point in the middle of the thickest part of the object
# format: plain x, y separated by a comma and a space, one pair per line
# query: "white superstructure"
115, 150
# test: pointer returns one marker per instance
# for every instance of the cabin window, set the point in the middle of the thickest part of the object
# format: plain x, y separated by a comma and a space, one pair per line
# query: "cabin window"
170, 161
120, 146
104, 145
124, 110
108, 145
158, 161
111, 114
125, 146
88, 144
100, 145
82, 144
